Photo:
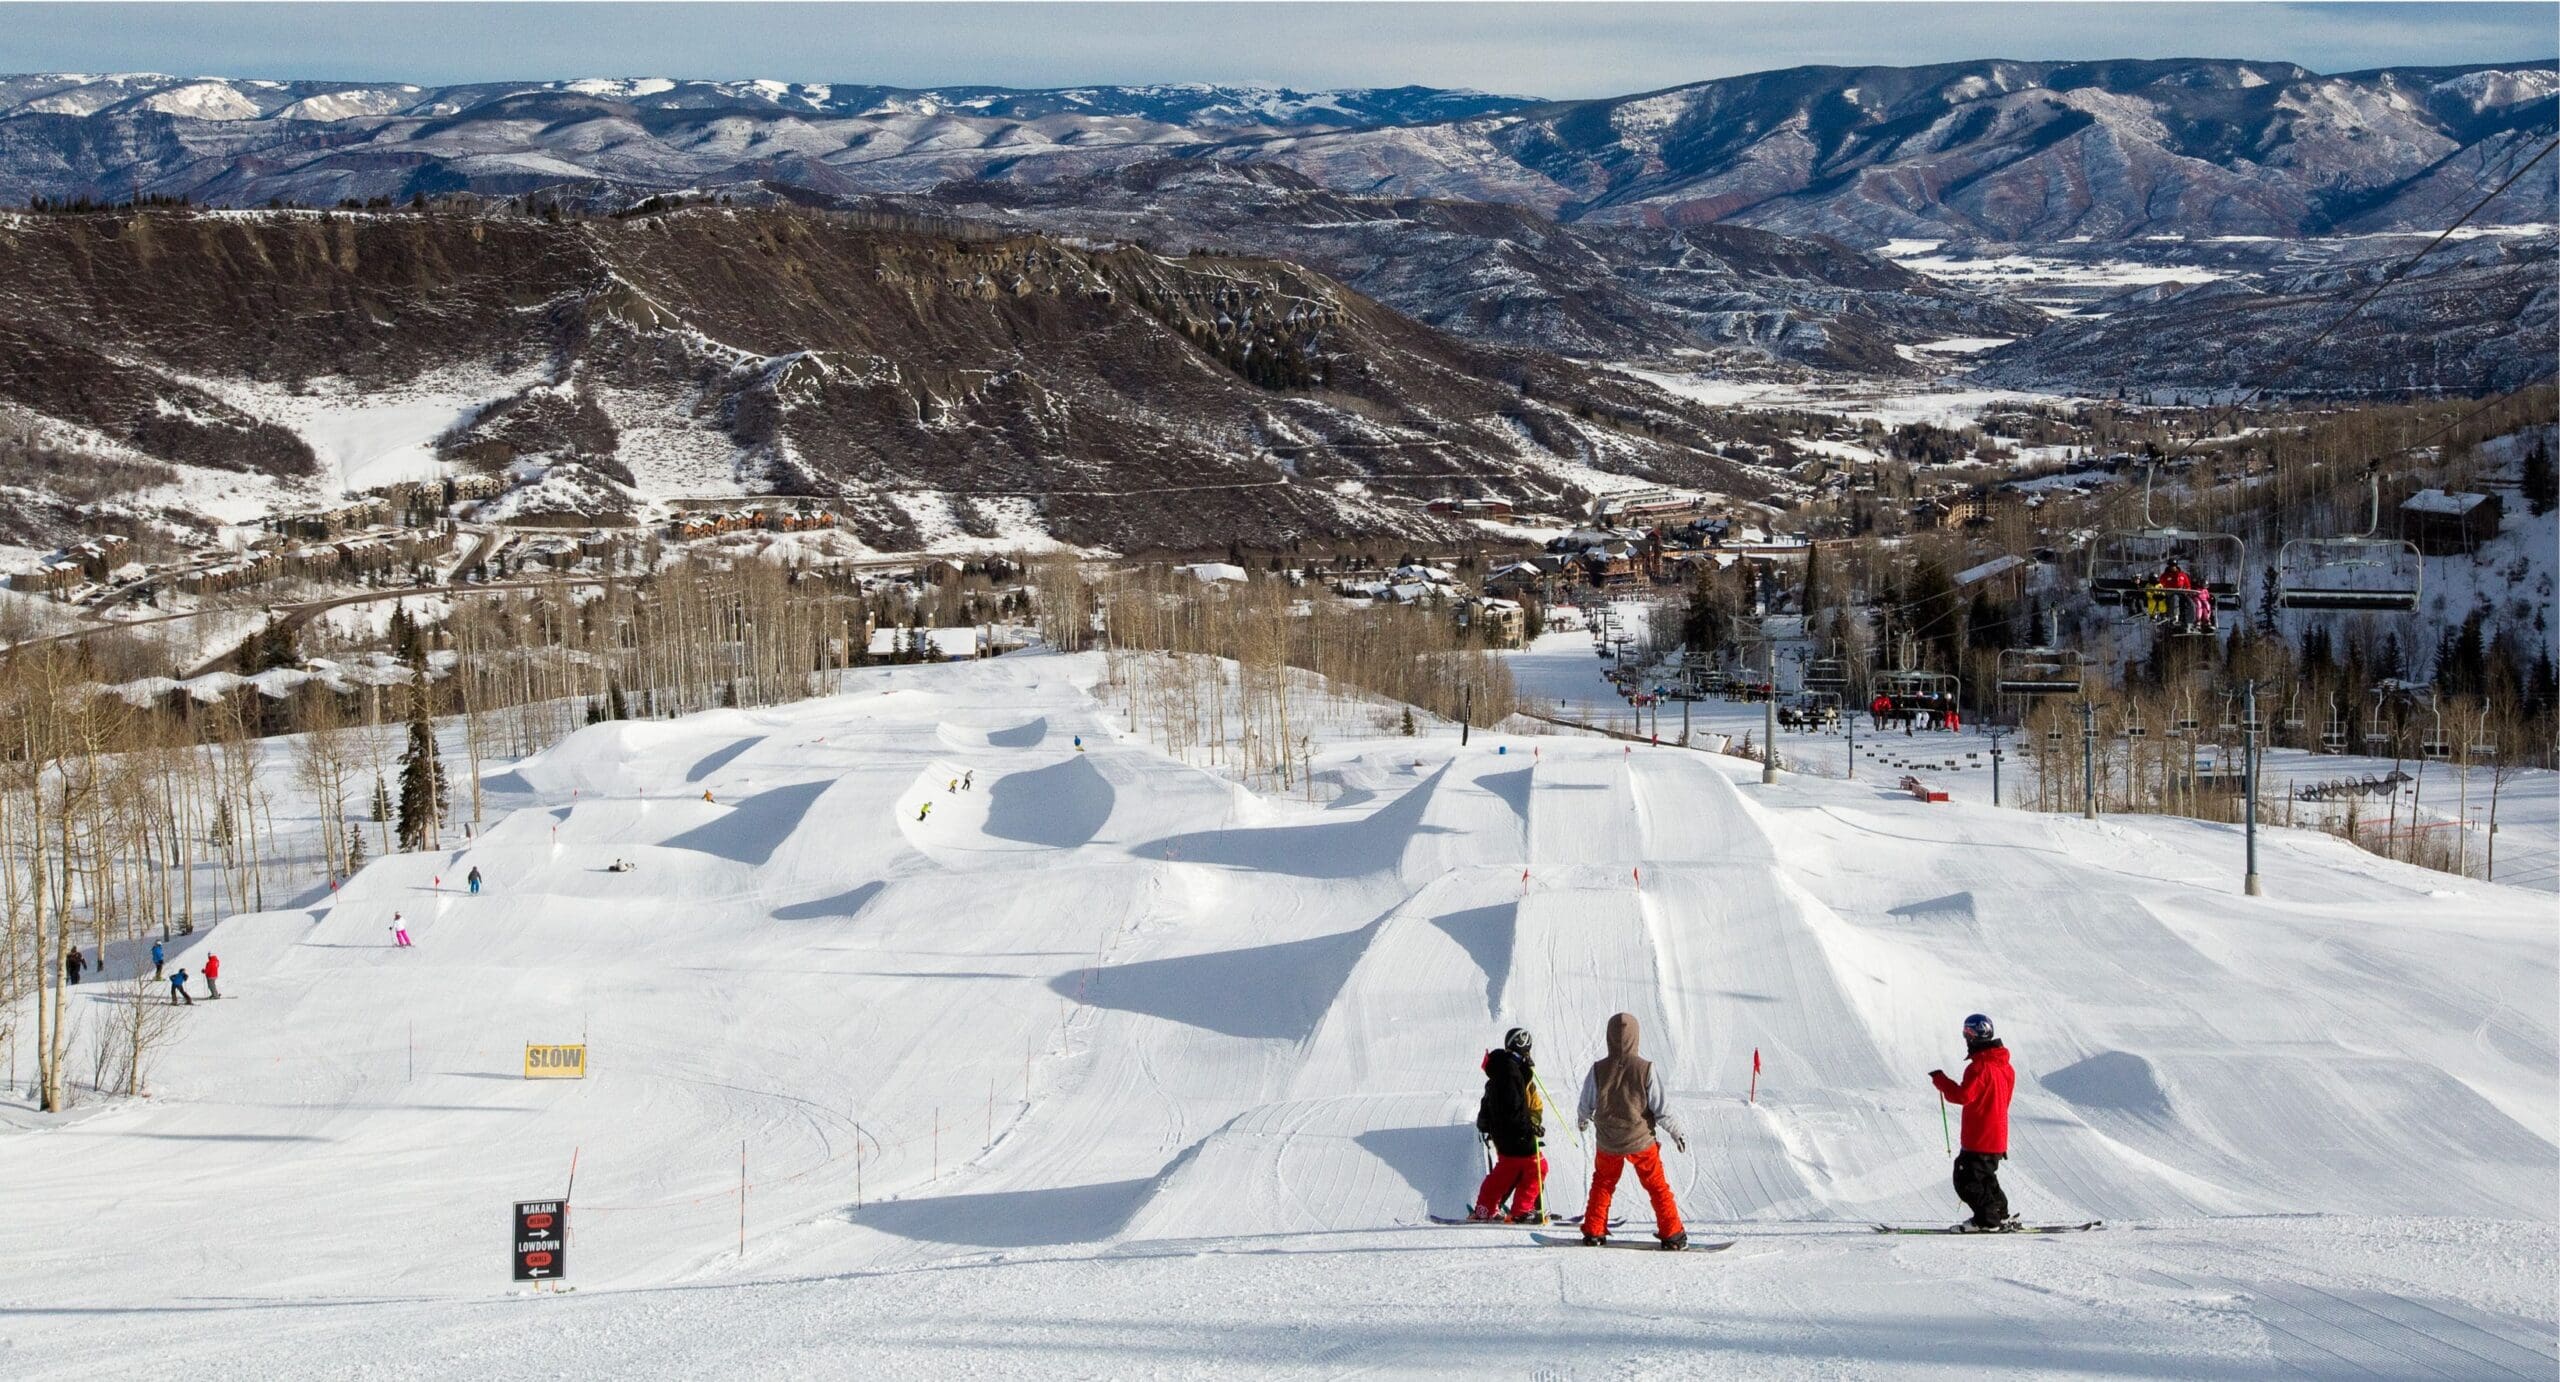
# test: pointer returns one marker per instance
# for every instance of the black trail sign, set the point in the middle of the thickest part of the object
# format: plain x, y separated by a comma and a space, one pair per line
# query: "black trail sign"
542, 1240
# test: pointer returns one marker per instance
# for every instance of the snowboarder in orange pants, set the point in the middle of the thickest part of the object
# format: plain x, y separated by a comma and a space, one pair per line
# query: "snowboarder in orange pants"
1622, 1098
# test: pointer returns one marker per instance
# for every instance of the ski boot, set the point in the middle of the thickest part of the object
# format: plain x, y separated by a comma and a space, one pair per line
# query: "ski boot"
1535, 1218
2012, 1224
1676, 1241
1595, 1240
1478, 1215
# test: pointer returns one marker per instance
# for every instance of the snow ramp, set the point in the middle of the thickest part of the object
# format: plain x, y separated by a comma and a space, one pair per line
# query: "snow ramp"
970, 732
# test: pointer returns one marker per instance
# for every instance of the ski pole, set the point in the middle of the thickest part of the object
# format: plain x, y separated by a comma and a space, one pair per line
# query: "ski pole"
1945, 1136
1550, 1101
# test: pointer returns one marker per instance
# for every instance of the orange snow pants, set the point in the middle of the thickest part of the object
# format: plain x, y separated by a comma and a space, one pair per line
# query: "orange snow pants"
1604, 1186
1520, 1177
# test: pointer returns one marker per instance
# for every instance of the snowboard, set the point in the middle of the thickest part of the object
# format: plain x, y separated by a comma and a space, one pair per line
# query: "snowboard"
1547, 1222
2030, 1228
1647, 1243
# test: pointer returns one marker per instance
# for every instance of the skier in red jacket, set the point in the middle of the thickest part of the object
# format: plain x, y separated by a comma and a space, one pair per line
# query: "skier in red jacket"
1985, 1141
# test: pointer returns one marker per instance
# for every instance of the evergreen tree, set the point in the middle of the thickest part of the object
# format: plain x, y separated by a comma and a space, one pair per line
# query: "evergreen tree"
421, 779
381, 802
221, 832
2316, 662
2462, 661
1409, 730
2541, 480
1931, 605
355, 848
408, 643
1705, 625
615, 706
2267, 623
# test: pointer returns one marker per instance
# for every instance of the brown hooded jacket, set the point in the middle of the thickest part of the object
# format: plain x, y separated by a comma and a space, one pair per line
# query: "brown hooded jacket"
1623, 1096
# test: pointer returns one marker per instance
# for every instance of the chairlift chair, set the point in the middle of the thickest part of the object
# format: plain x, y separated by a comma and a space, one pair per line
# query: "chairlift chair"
2124, 567
1826, 674
2364, 572
2133, 727
1901, 682
2042, 672
2434, 745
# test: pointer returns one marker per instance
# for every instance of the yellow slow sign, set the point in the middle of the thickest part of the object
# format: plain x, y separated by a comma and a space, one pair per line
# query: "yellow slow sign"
555, 1062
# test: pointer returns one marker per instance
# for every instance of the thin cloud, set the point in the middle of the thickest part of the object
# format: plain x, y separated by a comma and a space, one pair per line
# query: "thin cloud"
1555, 50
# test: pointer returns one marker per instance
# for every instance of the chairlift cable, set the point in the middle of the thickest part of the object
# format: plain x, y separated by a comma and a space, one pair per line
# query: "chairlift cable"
2389, 277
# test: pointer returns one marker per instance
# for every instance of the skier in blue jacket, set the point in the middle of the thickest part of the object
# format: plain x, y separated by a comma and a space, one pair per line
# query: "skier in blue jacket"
159, 957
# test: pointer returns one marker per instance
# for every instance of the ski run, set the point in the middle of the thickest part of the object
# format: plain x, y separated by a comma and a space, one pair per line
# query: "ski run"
1107, 1066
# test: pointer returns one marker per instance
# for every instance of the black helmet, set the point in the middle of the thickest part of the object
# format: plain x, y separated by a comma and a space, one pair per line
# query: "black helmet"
1516, 1041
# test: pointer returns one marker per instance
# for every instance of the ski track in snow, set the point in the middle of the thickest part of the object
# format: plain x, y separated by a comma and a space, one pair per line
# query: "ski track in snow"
1134, 1071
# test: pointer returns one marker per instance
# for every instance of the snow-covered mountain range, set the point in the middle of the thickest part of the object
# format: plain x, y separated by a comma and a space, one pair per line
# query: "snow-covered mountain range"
2013, 151
244, 142
1999, 150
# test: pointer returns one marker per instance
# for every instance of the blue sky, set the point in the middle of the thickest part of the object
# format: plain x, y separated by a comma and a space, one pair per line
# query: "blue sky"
1561, 50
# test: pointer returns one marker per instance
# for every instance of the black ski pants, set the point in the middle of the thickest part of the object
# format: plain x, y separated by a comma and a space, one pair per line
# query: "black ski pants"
1978, 1185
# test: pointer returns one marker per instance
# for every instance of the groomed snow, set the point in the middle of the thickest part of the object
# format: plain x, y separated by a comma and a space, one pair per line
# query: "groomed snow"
1135, 1072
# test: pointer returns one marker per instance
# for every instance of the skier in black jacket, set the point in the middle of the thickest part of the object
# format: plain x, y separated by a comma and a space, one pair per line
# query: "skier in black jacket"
1512, 1120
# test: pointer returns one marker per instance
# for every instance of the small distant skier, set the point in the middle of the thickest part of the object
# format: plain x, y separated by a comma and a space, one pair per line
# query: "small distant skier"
399, 932
1622, 1098
159, 957
1880, 707
954, 788
969, 779
706, 796
924, 810
212, 972
1985, 1136
1079, 743
72, 963
474, 880
1510, 1118
178, 989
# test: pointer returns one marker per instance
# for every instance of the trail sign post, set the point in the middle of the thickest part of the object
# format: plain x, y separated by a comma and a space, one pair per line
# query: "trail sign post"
555, 1062
541, 1244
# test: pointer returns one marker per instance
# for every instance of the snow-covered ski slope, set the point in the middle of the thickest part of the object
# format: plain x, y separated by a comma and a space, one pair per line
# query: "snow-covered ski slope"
1135, 1072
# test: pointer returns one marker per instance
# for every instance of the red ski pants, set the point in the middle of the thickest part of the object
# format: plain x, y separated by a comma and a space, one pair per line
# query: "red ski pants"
1520, 1177
1604, 1187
